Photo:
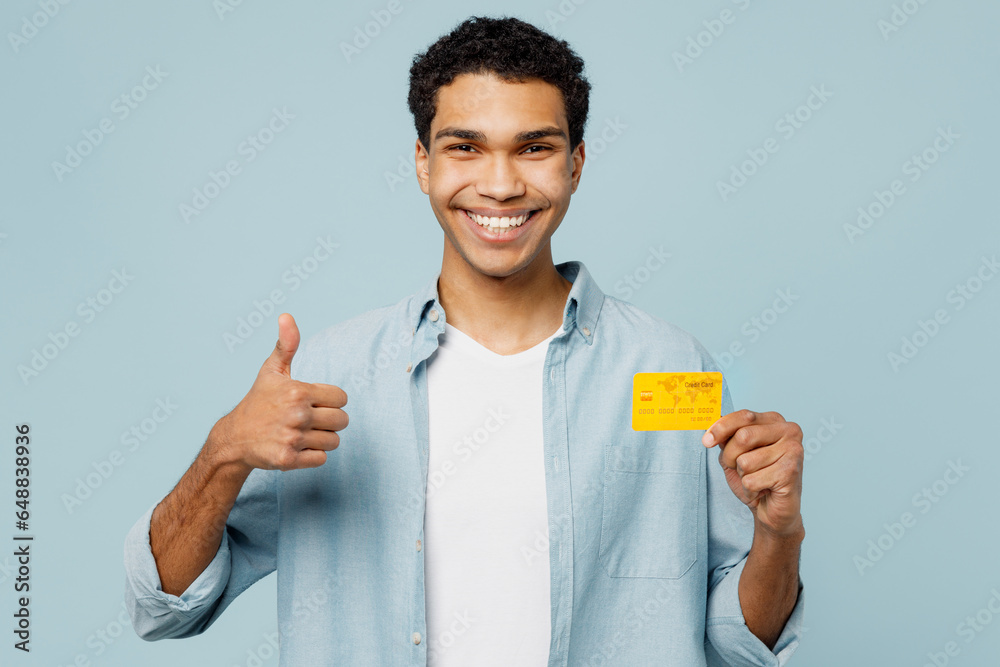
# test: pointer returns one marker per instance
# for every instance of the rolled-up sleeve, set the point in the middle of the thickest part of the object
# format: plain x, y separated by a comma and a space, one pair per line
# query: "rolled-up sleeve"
729, 642
729, 635
246, 554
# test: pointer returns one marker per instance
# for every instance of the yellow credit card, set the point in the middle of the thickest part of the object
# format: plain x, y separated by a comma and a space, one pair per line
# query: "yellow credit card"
675, 401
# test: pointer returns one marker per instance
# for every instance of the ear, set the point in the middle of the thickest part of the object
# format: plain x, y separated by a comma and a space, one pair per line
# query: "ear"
578, 158
422, 160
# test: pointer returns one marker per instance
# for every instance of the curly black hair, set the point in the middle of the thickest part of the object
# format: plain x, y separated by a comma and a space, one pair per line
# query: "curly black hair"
508, 47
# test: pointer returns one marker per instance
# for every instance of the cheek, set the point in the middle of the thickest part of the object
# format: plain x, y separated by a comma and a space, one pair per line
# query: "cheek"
555, 179
555, 190
445, 185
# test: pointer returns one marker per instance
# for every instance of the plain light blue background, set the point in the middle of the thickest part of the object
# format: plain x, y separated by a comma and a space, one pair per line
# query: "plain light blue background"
681, 130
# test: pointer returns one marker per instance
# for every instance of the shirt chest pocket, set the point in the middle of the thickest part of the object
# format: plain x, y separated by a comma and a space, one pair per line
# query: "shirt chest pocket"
649, 525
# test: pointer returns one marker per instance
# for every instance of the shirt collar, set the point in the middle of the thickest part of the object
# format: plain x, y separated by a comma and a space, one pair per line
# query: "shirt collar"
582, 309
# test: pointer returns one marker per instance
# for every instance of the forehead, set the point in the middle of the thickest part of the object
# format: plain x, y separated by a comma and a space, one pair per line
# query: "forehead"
488, 103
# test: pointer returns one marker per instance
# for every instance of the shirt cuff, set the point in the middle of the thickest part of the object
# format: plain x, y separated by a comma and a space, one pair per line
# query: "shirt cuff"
144, 580
729, 635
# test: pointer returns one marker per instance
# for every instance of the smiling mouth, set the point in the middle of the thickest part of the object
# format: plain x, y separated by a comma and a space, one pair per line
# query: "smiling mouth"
499, 225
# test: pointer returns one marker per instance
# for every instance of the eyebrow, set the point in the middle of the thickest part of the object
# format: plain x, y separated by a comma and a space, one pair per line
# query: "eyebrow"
520, 137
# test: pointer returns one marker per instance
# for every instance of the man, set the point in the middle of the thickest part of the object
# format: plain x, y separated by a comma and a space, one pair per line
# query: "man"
490, 503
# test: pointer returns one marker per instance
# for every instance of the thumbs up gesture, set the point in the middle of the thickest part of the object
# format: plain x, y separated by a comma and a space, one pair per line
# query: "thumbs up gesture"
281, 424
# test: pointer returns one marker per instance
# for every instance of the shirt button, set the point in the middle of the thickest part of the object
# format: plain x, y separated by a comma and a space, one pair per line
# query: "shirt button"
433, 315
409, 367
586, 331
416, 637
419, 545
552, 374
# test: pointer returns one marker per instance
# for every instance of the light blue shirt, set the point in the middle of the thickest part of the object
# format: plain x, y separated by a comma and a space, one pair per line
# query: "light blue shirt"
646, 539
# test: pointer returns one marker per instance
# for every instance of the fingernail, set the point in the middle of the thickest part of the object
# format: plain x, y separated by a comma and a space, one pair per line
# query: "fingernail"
708, 439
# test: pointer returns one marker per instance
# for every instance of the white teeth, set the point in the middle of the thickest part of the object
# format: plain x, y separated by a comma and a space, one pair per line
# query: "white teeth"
497, 224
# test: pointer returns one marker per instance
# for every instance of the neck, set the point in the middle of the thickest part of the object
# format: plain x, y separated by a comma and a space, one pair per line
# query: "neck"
506, 314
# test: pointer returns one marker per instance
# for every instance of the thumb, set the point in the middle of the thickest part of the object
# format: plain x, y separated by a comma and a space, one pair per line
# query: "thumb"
280, 360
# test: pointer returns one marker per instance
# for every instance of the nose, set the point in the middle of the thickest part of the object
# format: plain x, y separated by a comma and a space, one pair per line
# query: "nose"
500, 179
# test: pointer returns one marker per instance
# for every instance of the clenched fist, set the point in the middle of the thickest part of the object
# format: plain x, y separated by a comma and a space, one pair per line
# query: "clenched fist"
281, 424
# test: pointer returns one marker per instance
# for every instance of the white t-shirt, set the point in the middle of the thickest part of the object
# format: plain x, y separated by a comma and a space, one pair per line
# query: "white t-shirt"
486, 560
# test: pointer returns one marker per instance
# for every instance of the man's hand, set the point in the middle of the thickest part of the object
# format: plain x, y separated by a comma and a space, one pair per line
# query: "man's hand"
281, 424
762, 456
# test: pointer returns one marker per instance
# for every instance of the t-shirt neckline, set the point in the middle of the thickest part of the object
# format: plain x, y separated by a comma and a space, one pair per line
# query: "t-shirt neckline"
462, 342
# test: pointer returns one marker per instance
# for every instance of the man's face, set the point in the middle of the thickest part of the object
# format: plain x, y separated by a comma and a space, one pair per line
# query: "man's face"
498, 150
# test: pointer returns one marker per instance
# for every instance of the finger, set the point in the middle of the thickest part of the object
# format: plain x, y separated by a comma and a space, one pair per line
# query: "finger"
328, 419
321, 440
757, 459
726, 426
310, 458
736, 483
772, 478
327, 395
280, 360
749, 438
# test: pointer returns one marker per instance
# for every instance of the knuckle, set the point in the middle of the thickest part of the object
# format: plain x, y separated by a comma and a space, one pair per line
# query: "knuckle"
290, 439
297, 393
285, 459
748, 415
796, 449
300, 416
